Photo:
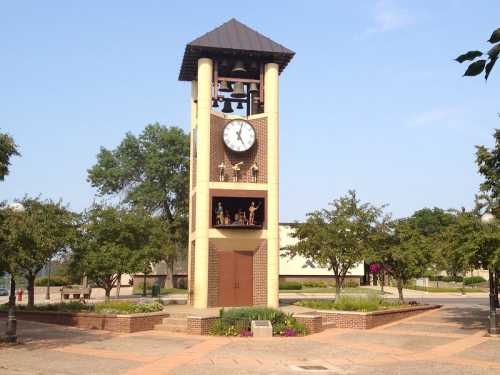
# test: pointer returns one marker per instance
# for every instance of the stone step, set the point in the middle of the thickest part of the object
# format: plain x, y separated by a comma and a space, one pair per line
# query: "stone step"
173, 325
175, 321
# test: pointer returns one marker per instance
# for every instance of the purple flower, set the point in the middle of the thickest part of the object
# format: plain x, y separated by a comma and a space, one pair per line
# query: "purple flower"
288, 332
244, 333
375, 267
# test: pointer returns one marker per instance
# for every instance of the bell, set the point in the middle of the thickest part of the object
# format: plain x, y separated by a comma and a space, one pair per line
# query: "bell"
240, 105
227, 107
253, 88
239, 67
225, 86
215, 103
239, 90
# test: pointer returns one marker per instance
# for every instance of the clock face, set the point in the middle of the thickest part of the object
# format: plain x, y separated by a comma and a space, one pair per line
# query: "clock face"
239, 135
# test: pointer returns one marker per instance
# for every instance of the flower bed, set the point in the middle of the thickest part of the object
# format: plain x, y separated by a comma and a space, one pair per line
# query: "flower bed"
124, 317
350, 303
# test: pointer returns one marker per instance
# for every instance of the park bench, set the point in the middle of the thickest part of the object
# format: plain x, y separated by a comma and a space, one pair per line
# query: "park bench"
76, 292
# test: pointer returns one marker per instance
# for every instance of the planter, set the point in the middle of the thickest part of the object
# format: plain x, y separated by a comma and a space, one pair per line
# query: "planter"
108, 322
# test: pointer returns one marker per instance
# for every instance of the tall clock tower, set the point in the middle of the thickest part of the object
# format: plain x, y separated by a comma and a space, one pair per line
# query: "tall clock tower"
234, 177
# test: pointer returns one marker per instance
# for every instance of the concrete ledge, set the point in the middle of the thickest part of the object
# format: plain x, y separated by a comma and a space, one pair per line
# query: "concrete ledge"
367, 320
109, 322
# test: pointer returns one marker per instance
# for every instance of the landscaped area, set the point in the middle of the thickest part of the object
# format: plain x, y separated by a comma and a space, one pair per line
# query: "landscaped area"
113, 307
350, 303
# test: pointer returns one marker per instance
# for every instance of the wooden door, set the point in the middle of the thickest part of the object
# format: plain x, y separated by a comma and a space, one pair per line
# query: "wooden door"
235, 278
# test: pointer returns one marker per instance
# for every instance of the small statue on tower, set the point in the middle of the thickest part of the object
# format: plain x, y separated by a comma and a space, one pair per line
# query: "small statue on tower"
219, 214
255, 170
251, 213
221, 171
236, 169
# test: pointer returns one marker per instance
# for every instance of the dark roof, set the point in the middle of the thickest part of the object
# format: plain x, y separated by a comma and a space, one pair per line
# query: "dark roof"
232, 38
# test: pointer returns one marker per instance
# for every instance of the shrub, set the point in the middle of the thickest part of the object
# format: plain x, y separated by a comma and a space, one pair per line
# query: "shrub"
54, 281
448, 279
474, 280
124, 307
349, 283
315, 284
290, 285
349, 303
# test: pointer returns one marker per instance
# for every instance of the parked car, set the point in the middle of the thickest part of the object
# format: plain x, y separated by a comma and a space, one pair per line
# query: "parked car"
4, 292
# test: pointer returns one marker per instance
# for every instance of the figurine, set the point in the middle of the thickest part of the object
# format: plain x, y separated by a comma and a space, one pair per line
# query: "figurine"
236, 169
242, 217
254, 169
221, 171
227, 218
219, 214
251, 215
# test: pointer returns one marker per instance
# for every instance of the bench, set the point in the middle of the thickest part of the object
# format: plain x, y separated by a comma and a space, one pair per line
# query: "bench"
76, 292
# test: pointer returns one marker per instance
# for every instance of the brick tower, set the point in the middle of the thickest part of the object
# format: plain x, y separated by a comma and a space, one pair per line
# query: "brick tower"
234, 177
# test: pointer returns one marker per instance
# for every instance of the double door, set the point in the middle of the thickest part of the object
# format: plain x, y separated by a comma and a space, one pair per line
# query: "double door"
235, 278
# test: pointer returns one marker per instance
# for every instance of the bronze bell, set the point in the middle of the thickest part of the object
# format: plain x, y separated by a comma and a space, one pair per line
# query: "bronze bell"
225, 86
239, 90
215, 103
239, 67
227, 107
240, 105
253, 88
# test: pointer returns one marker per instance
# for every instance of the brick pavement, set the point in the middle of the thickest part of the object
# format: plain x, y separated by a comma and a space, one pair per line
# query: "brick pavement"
446, 341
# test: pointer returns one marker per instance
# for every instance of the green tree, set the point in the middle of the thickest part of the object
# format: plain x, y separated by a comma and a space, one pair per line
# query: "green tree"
479, 63
150, 172
111, 242
7, 149
44, 229
337, 237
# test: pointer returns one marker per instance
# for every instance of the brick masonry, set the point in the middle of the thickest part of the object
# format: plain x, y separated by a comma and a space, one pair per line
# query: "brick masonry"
115, 323
219, 152
213, 275
367, 320
313, 322
199, 325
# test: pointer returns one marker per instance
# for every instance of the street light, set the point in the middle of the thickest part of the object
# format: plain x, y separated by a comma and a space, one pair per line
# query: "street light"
488, 219
11, 332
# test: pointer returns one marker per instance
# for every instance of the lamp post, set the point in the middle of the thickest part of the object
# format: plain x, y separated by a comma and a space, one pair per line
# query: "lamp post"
488, 219
11, 331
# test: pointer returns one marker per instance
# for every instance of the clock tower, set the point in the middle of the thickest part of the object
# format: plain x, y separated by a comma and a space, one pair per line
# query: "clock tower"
233, 255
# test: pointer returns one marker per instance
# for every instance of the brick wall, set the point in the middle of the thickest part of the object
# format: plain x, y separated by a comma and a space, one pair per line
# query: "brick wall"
313, 322
219, 152
114, 323
260, 274
199, 325
213, 275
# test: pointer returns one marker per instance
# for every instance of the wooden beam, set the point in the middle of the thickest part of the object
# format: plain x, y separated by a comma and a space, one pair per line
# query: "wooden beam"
244, 80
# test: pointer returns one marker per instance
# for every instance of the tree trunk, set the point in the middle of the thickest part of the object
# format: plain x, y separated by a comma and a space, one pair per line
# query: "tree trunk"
31, 289
400, 290
169, 281
118, 284
108, 293
338, 286
144, 291
382, 282
497, 304
12, 296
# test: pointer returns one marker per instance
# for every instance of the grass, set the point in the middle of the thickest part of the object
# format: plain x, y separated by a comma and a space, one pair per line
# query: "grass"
330, 290
113, 307
445, 290
350, 303
163, 291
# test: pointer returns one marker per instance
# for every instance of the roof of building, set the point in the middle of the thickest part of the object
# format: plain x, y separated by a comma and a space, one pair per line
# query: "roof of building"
232, 38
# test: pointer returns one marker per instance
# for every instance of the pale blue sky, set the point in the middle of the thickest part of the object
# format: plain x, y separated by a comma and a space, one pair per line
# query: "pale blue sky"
371, 101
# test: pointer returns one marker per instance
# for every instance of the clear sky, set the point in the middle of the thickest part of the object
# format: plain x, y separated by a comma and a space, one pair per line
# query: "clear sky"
372, 101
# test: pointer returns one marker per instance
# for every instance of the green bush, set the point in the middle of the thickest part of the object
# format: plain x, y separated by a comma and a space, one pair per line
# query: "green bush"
348, 283
474, 280
290, 285
349, 303
448, 279
124, 307
54, 281
314, 284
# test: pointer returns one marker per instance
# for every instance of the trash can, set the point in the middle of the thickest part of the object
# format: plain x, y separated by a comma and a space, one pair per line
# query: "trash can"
155, 291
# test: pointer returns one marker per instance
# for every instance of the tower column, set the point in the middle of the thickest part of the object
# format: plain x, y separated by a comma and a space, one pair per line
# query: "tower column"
204, 88
192, 171
271, 108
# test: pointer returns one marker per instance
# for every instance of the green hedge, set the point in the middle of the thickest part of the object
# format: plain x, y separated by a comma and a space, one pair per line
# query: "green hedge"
474, 280
290, 285
315, 284
113, 307
349, 303
54, 281
448, 279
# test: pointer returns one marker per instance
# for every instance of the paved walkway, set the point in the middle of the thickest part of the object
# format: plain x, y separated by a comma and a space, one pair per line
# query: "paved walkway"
446, 341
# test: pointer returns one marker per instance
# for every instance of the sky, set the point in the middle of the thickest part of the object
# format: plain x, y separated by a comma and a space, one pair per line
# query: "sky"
372, 101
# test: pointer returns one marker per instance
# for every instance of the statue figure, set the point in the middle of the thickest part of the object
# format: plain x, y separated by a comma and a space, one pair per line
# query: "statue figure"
243, 217
221, 171
236, 169
227, 218
254, 169
219, 214
251, 211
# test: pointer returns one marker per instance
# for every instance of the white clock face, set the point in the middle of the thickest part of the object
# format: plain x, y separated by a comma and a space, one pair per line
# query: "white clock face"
239, 135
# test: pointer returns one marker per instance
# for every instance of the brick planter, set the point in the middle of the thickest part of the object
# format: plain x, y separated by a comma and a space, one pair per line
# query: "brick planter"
199, 325
312, 321
367, 320
108, 322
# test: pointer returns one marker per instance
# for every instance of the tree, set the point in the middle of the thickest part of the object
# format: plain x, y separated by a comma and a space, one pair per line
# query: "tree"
111, 242
476, 67
45, 229
7, 149
150, 172
406, 252
337, 237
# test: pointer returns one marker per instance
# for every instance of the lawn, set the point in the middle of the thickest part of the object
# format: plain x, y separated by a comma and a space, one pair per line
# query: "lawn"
445, 290
163, 291
330, 290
